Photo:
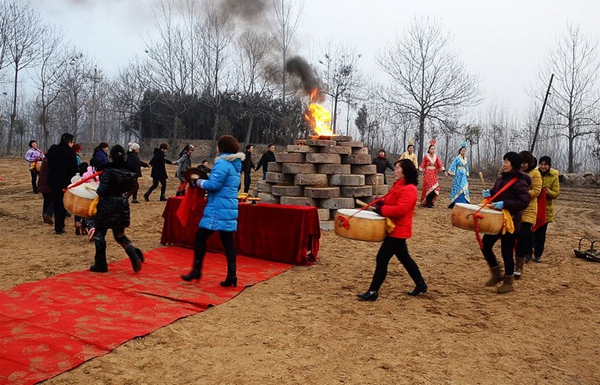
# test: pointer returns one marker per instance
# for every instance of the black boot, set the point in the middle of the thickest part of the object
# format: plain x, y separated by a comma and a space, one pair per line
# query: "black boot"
229, 282
139, 254
136, 262
196, 272
100, 265
420, 288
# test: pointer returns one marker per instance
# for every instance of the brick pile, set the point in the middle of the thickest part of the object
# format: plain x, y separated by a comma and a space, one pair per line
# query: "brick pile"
324, 172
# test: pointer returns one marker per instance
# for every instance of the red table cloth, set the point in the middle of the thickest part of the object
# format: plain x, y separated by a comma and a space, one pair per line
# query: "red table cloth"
279, 233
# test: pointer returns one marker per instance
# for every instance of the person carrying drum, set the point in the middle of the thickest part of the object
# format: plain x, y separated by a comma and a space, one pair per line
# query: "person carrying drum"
117, 179
34, 156
399, 205
510, 194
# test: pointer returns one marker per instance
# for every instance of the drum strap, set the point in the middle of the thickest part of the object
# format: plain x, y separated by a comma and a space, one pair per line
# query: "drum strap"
477, 216
345, 222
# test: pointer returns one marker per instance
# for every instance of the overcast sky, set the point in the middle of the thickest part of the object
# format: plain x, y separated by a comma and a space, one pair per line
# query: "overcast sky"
504, 42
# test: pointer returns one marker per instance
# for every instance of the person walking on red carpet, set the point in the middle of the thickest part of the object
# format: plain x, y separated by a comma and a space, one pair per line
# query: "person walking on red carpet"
221, 211
117, 179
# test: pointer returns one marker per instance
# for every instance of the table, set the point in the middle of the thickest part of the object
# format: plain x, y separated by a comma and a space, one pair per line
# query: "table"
279, 233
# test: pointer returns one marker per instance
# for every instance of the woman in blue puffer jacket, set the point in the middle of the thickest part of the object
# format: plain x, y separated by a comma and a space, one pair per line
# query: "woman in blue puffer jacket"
221, 211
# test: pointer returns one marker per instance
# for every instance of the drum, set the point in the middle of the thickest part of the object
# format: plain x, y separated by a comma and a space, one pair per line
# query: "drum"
79, 200
364, 226
462, 217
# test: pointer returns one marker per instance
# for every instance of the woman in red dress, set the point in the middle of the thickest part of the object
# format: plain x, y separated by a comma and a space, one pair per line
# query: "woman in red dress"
429, 166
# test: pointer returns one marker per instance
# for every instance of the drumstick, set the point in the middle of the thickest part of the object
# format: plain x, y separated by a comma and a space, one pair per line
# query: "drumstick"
363, 204
482, 179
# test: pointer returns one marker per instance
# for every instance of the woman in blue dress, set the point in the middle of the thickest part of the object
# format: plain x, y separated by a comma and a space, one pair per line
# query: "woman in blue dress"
459, 169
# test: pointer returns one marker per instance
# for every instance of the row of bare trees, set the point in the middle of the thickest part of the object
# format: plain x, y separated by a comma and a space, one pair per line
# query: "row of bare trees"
213, 67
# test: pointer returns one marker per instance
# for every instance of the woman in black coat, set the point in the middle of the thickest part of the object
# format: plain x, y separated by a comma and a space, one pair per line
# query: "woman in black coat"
117, 179
134, 160
159, 172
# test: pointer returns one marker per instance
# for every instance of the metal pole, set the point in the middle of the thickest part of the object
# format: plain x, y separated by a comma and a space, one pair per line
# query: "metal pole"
537, 128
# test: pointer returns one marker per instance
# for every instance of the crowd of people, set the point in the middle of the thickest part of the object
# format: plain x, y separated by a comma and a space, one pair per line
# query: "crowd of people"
523, 190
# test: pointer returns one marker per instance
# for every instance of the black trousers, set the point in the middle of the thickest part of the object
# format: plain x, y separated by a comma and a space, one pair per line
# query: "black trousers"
247, 181
163, 187
390, 247
59, 210
539, 240
228, 244
524, 241
48, 204
507, 244
34, 178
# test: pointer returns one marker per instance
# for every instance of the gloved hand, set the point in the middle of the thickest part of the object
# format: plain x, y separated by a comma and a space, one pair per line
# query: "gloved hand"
199, 182
498, 205
486, 193
377, 207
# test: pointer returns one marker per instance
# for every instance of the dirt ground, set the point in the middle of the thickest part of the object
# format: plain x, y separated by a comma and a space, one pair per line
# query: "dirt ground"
305, 326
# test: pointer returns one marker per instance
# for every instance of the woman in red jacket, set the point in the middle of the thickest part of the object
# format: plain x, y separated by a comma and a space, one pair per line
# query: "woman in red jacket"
398, 205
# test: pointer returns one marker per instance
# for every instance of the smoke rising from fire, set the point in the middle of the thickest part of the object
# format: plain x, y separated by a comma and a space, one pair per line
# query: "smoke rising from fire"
248, 10
299, 67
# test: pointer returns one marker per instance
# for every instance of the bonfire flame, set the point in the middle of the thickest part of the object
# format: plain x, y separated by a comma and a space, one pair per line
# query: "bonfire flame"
317, 116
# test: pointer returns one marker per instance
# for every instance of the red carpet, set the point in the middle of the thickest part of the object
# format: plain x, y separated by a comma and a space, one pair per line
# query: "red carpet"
53, 325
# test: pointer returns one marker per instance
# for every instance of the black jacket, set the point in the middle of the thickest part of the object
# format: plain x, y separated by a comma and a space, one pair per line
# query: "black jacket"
157, 162
381, 164
113, 209
265, 159
62, 166
134, 160
247, 164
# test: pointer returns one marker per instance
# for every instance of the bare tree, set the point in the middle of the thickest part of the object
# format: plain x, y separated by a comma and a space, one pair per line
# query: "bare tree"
4, 23
252, 48
72, 103
575, 99
24, 33
217, 33
428, 80
286, 20
341, 78
127, 93
50, 77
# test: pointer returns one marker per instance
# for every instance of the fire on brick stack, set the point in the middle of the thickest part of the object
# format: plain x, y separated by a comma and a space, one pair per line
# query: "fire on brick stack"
326, 171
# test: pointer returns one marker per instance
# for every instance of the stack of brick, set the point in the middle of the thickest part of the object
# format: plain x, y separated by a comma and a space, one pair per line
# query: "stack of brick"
327, 173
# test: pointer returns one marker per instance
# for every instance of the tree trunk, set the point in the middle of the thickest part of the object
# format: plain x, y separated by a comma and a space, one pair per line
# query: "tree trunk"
421, 136
215, 130
249, 131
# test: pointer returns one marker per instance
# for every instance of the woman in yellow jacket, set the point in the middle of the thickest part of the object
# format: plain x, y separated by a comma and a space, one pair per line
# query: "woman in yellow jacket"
552, 187
524, 247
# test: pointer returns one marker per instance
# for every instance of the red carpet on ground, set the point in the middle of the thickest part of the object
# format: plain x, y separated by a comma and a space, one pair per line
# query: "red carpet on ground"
53, 325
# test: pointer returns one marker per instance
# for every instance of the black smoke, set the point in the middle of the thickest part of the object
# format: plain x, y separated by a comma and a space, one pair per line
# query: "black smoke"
299, 67
248, 10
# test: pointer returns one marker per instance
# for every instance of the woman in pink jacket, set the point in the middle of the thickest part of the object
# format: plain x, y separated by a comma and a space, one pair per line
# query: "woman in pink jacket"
398, 205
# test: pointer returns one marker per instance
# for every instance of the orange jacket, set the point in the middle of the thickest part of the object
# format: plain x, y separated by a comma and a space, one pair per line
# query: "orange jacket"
399, 206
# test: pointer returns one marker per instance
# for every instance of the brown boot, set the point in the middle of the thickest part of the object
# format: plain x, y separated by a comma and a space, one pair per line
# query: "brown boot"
520, 262
496, 276
507, 285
